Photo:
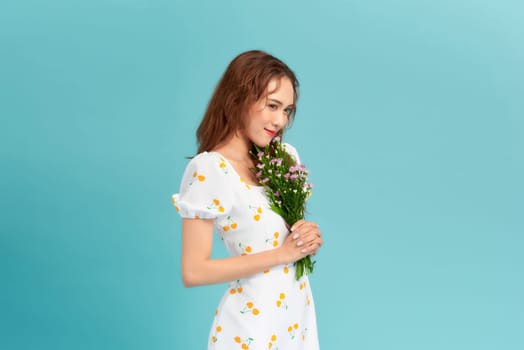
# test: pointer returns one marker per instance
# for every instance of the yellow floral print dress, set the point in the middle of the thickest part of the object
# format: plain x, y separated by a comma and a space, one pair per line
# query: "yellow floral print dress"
271, 309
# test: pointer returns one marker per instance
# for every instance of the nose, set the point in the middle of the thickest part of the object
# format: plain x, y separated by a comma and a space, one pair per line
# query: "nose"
280, 119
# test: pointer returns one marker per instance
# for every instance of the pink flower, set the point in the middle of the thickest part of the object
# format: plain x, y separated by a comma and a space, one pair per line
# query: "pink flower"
277, 161
287, 197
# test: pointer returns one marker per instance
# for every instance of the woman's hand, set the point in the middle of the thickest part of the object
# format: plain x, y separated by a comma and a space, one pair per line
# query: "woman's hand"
304, 239
198, 268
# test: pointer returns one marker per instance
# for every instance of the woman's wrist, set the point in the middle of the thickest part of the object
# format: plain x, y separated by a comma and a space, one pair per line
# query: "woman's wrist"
279, 257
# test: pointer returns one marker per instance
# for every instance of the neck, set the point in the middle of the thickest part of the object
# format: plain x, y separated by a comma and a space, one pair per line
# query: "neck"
236, 148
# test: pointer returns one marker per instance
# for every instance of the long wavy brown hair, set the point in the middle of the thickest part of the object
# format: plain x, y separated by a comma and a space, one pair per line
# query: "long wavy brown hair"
244, 82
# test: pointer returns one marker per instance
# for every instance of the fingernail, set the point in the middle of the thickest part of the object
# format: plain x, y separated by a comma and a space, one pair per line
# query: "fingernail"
295, 236
292, 228
299, 243
304, 250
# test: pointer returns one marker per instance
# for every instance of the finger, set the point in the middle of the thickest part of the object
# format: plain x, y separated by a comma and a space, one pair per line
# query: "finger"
312, 244
297, 225
313, 249
298, 229
306, 229
310, 234
315, 245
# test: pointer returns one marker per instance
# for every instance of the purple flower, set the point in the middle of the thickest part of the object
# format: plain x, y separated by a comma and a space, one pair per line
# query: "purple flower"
261, 165
277, 161
264, 180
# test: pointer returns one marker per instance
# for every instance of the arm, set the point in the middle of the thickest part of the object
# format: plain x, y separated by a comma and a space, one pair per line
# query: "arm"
199, 269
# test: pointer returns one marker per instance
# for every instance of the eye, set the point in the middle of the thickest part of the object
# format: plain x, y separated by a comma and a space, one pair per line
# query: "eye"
288, 111
273, 106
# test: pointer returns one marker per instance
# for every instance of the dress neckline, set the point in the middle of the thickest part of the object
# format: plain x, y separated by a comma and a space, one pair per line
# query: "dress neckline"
259, 187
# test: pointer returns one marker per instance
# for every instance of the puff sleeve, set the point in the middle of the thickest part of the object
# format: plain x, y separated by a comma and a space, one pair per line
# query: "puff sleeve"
205, 189
292, 151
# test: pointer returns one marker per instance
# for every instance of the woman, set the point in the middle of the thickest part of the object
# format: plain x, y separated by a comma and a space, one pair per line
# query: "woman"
264, 306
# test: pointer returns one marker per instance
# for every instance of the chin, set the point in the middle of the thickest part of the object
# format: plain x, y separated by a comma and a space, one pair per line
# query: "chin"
261, 143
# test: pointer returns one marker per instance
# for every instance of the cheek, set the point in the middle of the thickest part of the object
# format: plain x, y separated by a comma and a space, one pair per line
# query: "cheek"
259, 117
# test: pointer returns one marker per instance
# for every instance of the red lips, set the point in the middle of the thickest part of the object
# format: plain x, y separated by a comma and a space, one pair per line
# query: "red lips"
270, 132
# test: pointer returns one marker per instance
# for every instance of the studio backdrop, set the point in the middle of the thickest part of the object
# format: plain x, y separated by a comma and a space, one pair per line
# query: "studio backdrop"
410, 119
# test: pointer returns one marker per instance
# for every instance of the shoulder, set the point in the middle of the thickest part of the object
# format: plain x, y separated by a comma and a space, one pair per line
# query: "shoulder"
206, 160
206, 165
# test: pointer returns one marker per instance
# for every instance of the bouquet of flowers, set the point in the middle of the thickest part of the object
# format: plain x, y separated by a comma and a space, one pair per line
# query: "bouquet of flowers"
286, 187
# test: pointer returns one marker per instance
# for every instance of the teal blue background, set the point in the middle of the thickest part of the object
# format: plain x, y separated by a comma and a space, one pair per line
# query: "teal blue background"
410, 119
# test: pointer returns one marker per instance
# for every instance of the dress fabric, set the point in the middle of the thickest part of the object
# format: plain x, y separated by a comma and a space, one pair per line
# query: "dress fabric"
271, 309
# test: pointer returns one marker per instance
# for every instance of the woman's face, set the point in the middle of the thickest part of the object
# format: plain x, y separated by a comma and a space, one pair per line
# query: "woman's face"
270, 114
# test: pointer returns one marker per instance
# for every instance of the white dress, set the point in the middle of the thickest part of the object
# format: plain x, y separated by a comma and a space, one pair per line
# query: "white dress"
271, 309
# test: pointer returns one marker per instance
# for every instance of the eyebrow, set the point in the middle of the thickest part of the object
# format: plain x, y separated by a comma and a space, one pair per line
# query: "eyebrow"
280, 103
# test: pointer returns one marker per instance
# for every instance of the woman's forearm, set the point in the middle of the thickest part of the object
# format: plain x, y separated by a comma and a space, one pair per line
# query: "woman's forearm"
198, 268
211, 271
